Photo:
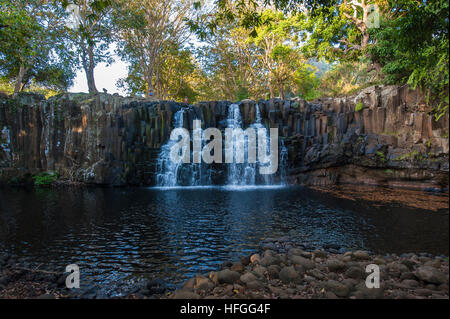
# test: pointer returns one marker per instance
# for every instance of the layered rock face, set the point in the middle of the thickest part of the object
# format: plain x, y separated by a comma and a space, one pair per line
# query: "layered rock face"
111, 140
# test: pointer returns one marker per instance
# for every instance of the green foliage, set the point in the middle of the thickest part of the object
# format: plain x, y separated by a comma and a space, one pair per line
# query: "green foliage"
45, 179
413, 155
381, 156
90, 36
359, 106
250, 49
413, 48
8, 88
265, 64
33, 48
346, 78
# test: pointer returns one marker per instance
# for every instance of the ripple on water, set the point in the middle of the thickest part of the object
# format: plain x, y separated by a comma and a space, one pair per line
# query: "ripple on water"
118, 235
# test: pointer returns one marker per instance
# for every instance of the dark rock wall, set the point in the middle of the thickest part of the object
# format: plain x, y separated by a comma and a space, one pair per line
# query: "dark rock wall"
111, 140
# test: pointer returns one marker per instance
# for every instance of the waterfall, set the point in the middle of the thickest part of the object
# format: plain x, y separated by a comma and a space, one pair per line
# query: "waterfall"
239, 173
167, 170
170, 174
247, 174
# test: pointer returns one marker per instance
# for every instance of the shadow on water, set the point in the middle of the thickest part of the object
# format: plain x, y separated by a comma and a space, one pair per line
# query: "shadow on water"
125, 235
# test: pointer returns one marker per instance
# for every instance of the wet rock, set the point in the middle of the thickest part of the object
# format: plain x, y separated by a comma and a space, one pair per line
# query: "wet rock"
355, 273
431, 275
396, 269
288, 274
433, 263
398, 294
189, 284
407, 275
320, 254
227, 276
362, 292
331, 295
443, 287
410, 283
306, 254
341, 290
361, 255
304, 262
260, 271
214, 277
423, 292
273, 271
379, 260
350, 282
203, 284
245, 260
409, 264
255, 284
238, 267
269, 260
295, 251
247, 277
269, 253
255, 258
185, 294
335, 265
316, 274
270, 246
226, 264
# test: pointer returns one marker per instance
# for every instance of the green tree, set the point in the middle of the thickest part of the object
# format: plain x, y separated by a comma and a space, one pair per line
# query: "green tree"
412, 48
90, 33
148, 31
33, 48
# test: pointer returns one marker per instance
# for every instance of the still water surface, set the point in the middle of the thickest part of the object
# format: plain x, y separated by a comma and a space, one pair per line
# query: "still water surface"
120, 236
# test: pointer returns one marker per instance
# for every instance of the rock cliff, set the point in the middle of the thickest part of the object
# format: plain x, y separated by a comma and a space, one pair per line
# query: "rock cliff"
381, 136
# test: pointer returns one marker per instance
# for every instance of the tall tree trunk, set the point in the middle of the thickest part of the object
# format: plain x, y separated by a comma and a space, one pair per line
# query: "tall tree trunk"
281, 91
90, 71
271, 90
150, 88
18, 87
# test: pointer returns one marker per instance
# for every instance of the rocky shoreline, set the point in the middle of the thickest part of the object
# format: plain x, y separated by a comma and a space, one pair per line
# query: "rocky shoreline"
281, 270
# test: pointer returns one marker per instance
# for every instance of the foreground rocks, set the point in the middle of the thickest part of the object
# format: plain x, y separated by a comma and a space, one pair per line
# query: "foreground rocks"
283, 271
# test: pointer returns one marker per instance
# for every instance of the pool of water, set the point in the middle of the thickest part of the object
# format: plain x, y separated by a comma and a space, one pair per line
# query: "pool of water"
121, 236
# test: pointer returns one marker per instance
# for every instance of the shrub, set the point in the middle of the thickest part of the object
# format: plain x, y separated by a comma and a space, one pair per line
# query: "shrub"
45, 179
359, 106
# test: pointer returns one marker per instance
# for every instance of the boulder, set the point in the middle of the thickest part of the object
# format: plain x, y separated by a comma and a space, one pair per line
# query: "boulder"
227, 276
431, 275
304, 262
247, 277
288, 274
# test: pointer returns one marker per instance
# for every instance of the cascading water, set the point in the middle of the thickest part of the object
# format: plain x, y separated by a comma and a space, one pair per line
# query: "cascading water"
238, 173
167, 175
246, 173
170, 174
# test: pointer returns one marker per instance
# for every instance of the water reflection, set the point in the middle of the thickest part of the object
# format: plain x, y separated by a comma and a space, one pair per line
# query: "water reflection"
124, 235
